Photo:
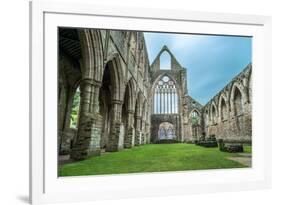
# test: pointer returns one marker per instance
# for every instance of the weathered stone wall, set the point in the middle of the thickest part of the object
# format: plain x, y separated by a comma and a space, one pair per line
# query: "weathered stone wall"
178, 75
117, 82
192, 130
104, 64
228, 115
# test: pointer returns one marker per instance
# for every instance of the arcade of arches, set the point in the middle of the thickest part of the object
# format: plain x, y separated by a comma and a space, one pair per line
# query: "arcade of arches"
111, 97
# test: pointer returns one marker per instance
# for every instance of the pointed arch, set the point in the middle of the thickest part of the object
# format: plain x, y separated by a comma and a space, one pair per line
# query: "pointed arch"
223, 107
174, 63
196, 111
116, 72
237, 101
165, 49
92, 55
166, 131
165, 60
195, 117
214, 112
165, 95
237, 98
130, 88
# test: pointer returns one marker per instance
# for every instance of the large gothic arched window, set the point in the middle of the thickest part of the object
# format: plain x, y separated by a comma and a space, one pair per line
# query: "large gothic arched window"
165, 96
195, 117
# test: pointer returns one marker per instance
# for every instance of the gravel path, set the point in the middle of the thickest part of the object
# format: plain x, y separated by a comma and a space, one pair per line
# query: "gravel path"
245, 159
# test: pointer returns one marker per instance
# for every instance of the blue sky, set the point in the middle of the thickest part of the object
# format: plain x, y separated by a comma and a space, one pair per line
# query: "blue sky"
211, 61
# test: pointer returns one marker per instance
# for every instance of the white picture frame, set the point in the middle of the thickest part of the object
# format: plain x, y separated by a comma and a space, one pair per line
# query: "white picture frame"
46, 187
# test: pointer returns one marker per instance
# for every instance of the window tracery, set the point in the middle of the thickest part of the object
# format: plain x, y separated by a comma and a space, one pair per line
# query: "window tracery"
165, 96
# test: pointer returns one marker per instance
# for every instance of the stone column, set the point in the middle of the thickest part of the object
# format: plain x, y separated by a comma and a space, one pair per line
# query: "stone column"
247, 123
147, 133
94, 147
138, 130
143, 140
87, 142
67, 134
113, 138
128, 142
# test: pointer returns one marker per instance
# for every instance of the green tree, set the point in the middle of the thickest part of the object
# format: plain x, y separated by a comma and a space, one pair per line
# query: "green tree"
75, 109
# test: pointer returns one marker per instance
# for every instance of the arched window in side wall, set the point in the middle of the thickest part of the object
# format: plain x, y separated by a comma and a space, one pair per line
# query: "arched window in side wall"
75, 109
206, 117
238, 102
165, 61
214, 115
223, 110
195, 118
165, 96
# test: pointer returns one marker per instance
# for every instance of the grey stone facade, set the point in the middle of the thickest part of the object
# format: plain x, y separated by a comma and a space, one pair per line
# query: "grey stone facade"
228, 115
117, 84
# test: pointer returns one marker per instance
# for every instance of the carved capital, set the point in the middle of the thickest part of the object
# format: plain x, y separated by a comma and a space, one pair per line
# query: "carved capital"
131, 112
118, 102
90, 82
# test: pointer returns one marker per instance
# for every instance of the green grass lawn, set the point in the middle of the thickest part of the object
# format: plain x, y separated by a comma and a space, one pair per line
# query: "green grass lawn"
247, 149
152, 158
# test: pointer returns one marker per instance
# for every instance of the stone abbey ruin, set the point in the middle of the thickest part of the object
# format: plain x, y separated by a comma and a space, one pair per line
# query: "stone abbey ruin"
123, 101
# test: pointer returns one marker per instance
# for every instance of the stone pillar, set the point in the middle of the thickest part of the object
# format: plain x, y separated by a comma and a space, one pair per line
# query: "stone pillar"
147, 131
143, 140
68, 109
247, 123
128, 142
63, 102
138, 130
87, 142
114, 134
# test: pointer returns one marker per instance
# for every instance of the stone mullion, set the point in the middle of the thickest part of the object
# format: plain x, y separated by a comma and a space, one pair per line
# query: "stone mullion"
155, 100
164, 95
161, 100
160, 103
171, 100
176, 103
166, 99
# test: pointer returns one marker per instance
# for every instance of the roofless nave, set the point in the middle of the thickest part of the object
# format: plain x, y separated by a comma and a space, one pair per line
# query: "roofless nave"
111, 97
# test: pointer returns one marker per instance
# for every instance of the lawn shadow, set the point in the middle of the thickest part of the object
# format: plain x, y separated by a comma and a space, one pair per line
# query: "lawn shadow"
24, 199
